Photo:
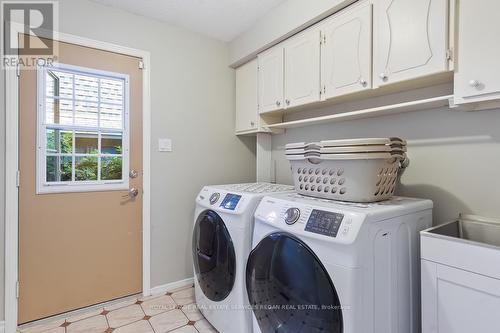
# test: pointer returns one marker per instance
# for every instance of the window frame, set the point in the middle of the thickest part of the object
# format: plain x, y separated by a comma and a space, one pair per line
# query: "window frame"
44, 187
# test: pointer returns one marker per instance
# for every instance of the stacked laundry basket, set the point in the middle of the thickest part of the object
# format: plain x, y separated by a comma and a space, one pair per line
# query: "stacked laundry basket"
355, 170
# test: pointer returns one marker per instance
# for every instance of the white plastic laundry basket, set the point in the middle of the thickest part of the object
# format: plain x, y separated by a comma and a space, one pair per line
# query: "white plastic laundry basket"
356, 170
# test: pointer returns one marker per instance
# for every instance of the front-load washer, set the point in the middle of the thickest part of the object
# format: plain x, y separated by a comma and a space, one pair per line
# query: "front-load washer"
318, 265
222, 240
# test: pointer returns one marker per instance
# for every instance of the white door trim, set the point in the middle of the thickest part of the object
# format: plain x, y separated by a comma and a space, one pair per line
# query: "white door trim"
12, 167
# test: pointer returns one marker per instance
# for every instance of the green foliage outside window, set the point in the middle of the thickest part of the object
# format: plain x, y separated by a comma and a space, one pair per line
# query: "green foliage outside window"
85, 167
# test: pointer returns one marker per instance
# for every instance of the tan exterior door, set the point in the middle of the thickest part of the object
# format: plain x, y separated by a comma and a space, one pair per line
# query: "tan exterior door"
79, 247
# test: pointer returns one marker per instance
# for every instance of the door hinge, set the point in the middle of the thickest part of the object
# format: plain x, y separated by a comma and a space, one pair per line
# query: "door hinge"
17, 289
449, 54
141, 64
18, 178
18, 70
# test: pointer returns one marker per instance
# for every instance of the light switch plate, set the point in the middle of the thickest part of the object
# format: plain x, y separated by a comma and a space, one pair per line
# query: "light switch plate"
164, 145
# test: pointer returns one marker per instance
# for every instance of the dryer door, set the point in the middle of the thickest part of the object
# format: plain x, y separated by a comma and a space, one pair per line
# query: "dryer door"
289, 288
213, 256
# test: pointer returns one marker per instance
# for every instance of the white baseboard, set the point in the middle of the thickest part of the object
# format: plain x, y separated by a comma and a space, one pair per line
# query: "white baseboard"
169, 286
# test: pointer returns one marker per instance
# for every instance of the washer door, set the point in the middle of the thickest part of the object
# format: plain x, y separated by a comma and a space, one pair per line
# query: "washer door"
213, 256
289, 288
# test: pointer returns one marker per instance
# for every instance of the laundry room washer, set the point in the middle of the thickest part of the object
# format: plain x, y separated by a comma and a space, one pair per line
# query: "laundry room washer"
222, 240
318, 265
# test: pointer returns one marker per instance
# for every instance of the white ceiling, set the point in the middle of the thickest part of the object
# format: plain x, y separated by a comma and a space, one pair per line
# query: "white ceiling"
220, 19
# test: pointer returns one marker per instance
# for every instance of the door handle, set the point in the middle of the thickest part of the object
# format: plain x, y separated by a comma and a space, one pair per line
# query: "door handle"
132, 193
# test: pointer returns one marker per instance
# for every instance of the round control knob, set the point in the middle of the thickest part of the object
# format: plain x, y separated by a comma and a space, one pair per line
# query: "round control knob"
214, 197
292, 215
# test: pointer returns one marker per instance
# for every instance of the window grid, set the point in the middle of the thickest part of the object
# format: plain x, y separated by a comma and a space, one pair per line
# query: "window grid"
74, 155
113, 94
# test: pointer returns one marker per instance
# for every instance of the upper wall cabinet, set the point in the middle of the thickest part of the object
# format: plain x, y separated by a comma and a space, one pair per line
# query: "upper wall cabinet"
370, 44
248, 119
302, 68
478, 70
247, 114
346, 52
271, 78
410, 39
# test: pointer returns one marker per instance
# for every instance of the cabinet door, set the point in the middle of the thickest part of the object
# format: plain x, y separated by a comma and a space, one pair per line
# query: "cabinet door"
346, 52
271, 79
247, 113
478, 50
410, 39
458, 301
302, 68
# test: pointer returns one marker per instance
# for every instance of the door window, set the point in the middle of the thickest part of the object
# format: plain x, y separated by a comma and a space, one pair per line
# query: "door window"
214, 257
82, 130
289, 289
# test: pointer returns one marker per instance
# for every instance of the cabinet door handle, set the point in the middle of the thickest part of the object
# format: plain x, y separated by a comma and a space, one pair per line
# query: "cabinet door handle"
474, 83
363, 82
383, 76
287, 101
252, 124
278, 103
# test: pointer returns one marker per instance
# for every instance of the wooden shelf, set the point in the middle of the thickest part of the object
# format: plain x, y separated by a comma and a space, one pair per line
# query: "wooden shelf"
418, 105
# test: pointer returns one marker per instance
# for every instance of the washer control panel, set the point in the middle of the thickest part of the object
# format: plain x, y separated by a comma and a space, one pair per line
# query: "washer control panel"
315, 219
324, 222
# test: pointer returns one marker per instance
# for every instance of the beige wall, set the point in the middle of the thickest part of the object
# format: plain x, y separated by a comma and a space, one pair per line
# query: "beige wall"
453, 162
192, 92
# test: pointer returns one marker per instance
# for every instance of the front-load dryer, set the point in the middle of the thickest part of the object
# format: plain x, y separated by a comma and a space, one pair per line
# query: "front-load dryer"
222, 240
322, 266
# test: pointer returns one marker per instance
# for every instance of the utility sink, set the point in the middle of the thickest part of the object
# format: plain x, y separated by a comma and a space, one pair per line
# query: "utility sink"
475, 229
471, 243
460, 263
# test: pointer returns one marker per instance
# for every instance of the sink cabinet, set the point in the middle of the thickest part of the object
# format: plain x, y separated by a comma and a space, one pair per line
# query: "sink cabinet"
461, 276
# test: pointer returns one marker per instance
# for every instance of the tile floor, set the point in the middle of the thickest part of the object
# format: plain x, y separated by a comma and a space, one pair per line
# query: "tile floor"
173, 312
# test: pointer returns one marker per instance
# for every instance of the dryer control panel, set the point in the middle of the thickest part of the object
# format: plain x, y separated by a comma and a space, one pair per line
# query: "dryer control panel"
236, 199
230, 201
220, 200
